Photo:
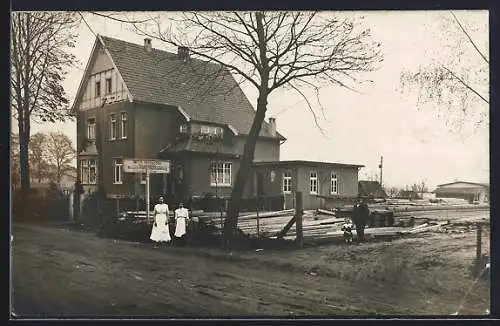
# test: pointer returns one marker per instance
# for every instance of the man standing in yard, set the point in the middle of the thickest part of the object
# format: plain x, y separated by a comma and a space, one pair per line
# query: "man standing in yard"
360, 215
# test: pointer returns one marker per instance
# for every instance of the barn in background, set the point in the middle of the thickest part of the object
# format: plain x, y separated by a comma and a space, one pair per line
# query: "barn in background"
470, 191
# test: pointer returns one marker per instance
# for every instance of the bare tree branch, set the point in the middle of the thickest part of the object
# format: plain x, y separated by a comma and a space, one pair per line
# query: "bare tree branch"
310, 109
470, 39
128, 21
465, 84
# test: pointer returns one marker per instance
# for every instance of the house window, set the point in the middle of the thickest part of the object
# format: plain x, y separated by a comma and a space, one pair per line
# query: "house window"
212, 130
142, 178
333, 184
108, 86
183, 128
220, 174
97, 89
88, 171
117, 171
91, 128
313, 182
123, 127
287, 182
112, 126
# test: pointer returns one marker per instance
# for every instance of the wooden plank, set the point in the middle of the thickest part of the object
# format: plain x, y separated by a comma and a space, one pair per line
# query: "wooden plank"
326, 212
428, 228
286, 228
268, 214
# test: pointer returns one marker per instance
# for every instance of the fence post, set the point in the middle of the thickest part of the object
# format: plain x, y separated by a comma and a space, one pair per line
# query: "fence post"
258, 225
478, 243
299, 240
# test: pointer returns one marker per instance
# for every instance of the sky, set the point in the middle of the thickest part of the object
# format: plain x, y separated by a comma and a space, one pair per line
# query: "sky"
359, 127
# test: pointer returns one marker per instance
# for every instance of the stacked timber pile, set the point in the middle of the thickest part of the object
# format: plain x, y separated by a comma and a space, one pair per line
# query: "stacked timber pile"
269, 224
324, 225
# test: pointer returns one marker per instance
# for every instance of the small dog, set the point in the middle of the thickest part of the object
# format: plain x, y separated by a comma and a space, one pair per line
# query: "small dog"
347, 228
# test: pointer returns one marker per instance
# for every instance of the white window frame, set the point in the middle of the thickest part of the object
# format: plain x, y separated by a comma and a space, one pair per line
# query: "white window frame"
183, 128
85, 171
113, 132
313, 183
123, 125
227, 175
91, 127
117, 171
334, 184
287, 182
212, 130
109, 90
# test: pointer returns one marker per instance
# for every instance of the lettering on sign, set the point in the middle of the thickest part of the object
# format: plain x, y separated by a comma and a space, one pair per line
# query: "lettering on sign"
146, 165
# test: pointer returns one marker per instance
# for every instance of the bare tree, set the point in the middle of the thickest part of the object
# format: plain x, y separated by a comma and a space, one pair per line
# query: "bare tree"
14, 161
457, 82
39, 167
39, 57
393, 192
419, 188
60, 153
422, 188
272, 50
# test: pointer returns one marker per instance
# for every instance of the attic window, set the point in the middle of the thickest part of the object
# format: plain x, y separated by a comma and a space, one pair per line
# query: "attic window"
97, 89
108, 85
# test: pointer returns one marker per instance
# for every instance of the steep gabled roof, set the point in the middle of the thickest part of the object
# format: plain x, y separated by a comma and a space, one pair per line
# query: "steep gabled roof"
204, 91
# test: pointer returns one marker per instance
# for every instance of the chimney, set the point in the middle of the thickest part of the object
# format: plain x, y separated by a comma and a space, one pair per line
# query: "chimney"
272, 126
147, 44
183, 53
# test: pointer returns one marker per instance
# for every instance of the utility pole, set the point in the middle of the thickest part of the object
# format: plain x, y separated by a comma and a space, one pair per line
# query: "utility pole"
380, 166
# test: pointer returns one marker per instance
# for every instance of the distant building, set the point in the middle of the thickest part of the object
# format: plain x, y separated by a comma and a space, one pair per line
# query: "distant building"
428, 195
318, 181
470, 191
371, 189
409, 194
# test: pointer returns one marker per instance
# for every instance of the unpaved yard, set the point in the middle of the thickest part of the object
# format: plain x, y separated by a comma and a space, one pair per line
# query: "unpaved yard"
57, 272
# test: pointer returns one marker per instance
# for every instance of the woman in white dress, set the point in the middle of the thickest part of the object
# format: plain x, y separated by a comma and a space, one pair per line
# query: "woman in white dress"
160, 232
181, 218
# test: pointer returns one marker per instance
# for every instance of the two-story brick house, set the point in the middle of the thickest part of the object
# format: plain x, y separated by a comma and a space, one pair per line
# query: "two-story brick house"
135, 101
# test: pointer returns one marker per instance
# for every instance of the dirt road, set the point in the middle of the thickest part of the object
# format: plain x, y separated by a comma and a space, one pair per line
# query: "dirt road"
57, 272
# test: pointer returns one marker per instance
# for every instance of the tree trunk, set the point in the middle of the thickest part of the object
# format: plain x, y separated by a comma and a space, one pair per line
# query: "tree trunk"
24, 138
59, 174
231, 221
